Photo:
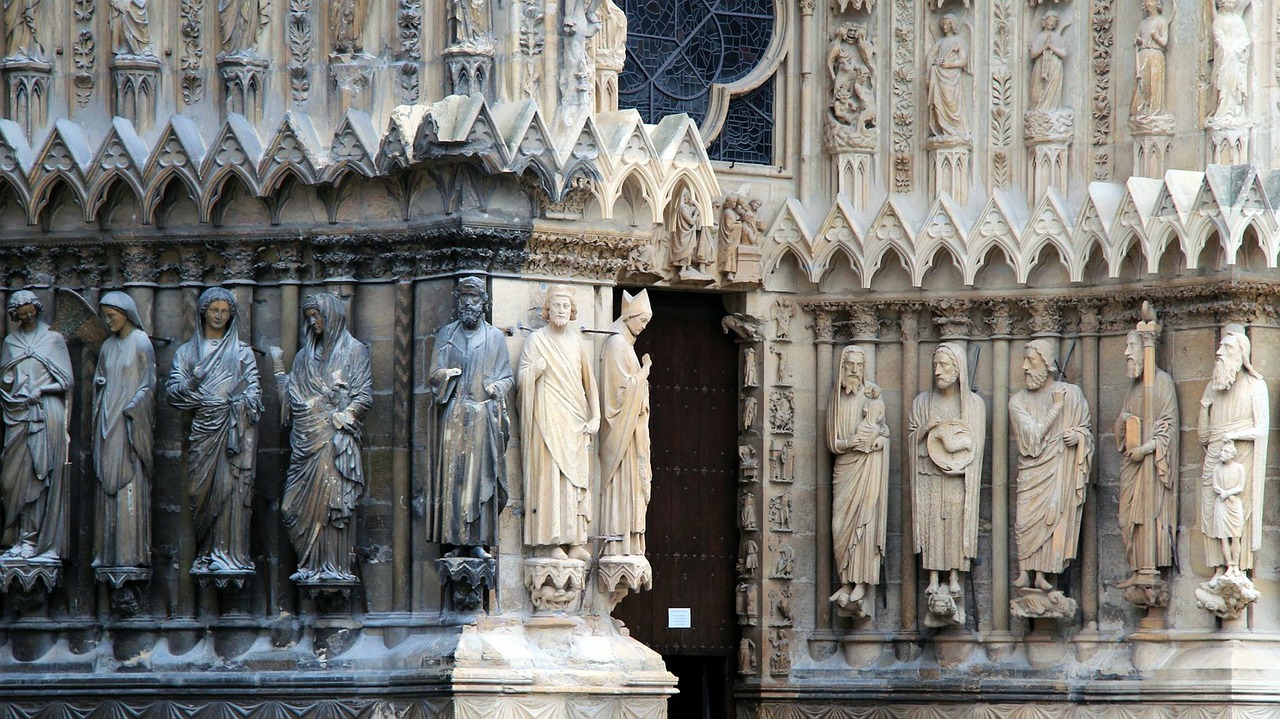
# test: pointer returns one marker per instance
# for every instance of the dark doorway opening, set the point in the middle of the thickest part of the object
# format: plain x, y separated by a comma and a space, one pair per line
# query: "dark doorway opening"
692, 535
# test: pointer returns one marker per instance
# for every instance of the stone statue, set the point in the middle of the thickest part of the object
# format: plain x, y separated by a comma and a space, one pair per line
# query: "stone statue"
215, 376
948, 431
323, 400
1235, 408
611, 41
241, 23
21, 29
130, 28
470, 382
1152, 42
560, 411
346, 23
750, 376
690, 249
1227, 521
1147, 432
1048, 49
124, 416
746, 657
1231, 43
468, 23
624, 432
858, 436
851, 62
947, 62
1050, 422
730, 231
35, 380
581, 22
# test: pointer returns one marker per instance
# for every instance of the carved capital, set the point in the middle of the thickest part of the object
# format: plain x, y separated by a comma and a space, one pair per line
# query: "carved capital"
823, 327
1046, 316
138, 265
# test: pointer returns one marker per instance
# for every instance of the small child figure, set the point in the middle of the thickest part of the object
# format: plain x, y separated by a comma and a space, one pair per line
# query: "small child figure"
1228, 510
872, 425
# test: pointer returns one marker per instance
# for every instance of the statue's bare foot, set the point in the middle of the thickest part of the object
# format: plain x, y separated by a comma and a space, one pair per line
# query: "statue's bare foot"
479, 553
556, 553
579, 553
1042, 583
859, 591
955, 582
933, 583
1131, 581
1022, 582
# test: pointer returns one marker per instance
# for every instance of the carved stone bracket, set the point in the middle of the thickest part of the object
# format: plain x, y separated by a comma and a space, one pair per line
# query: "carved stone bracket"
244, 84
465, 581
555, 585
1032, 603
117, 577
469, 71
28, 82
135, 84
620, 575
26, 572
222, 579
1228, 595
944, 608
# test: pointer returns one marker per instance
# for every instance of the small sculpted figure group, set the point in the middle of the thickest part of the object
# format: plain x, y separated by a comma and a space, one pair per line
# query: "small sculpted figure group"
323, 398
1050, 425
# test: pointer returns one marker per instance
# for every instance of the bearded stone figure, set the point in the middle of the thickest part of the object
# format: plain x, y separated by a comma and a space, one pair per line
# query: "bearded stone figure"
947, 431
1146, 434
324, 400
1235, 408
1050, 422
560, 411
35, 378
470, 381
124, 415
858, 436
215, 377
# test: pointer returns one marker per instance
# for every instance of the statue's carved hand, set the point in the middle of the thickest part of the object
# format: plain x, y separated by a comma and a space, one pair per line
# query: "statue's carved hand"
592, 426
277, 354
1071, 439
1059, 395
342, 420
1136, 454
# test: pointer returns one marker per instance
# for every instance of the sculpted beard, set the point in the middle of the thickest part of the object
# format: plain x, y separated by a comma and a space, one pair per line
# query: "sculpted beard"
1224, 375
851, 382
471, 316
1036, 378
1133, 367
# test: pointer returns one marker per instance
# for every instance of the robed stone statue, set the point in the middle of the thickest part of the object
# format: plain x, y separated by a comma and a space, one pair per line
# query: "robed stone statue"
124, 415
35, 379
559, 412
215, 377
324, 400
470, 382
947, 431
625, 466
858, 436
1050, 423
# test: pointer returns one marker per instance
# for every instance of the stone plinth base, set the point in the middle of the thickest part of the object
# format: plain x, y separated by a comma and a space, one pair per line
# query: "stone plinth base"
1228, 595
465, 581
555, 585
28, 572
621, 575
1032, 603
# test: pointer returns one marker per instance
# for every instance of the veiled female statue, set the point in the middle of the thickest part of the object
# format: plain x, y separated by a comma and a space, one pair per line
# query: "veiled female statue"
124, 416
324, 400
215, 377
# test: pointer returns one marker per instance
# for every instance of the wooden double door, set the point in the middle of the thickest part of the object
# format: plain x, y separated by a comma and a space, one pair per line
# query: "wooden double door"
692, 534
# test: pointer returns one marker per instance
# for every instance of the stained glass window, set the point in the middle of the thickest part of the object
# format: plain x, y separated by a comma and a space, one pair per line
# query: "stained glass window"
677, 49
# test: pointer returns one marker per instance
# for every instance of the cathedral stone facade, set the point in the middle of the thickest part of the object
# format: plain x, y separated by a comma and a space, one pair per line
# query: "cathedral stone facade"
976, 261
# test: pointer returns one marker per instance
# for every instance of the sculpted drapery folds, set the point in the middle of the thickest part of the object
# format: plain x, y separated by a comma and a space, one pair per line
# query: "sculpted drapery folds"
1235, 409
1231, 43
241, 23
35, 379
124, 414
1148, 465
215, 377
1050, 422
559, 411
624, 432
858, 436
324, 400
947, 62
470, 381
346, 21
1149, 73
1048, 48
947, 431
21, 29
130, 27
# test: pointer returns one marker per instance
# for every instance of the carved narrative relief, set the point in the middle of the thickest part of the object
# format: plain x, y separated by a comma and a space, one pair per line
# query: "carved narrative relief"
851, 114
858, 436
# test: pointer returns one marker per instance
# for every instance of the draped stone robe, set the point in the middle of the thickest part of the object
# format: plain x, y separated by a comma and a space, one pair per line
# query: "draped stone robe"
860, 484
625, 448
1149, 510
1052, 477
557, 461
222, 450
33, 476
1241, 411
124, 414
326, 475
945, 506
468, 469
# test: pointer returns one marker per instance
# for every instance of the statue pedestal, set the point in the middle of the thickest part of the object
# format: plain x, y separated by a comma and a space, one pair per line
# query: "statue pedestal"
1152, 140
854, 176
351, 78
28, 572
555, 585
621, 575
1228, 595
465, 582
1032, 603
118, 576
222, 578
244, 78
135, 81
944, 608
1048, 136
469, 70
28, 82
951, 171
1228, 141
